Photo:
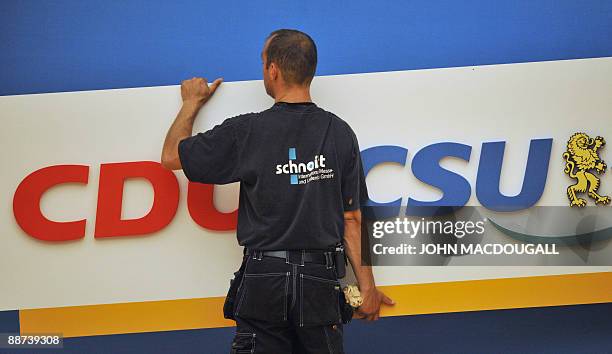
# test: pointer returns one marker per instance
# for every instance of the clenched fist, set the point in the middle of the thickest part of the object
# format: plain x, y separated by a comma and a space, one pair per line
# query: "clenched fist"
196, 90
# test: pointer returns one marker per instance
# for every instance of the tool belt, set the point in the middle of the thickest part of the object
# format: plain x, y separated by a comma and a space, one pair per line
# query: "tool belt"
332, 258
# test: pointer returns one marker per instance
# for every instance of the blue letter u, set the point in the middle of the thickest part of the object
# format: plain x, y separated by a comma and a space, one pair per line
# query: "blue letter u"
534, 180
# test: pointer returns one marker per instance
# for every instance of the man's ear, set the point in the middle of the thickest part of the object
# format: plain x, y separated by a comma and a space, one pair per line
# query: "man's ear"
273, 70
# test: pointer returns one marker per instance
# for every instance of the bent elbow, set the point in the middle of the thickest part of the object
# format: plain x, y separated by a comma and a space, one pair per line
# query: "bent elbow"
170, 163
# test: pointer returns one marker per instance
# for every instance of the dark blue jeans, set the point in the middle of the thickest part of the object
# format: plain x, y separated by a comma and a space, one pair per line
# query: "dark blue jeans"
288, 306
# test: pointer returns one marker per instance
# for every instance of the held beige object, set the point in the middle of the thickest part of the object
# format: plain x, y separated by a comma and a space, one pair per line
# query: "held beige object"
352, 295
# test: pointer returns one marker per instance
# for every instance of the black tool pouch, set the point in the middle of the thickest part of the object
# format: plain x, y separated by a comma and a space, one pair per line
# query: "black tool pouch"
230, 298
346, 310
340, 261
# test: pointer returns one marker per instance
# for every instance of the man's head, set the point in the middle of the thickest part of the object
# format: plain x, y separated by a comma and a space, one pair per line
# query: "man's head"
289, 59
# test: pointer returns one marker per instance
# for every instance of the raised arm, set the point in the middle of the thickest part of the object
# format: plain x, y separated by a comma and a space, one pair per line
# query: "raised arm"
372, 297
195, 93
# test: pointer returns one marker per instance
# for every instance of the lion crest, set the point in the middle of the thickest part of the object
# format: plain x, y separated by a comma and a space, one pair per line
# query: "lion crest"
581, 158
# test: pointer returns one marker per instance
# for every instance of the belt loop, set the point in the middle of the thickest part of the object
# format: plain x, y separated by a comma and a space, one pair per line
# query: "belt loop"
257, 254
328, 260
287, 257
302, 260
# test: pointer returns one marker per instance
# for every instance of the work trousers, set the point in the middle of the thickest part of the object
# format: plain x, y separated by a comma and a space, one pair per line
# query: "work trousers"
287, 306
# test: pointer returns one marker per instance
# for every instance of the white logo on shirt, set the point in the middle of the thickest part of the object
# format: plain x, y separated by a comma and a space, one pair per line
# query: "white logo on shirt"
305, 172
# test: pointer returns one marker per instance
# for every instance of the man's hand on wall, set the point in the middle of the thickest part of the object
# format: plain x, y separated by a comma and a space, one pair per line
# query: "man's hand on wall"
196, 90
372, 299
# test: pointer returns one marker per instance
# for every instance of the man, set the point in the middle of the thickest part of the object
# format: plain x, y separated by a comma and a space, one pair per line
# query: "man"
301, 188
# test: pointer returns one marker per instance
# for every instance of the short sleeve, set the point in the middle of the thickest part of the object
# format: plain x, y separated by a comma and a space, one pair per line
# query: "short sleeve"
211, 157
354, 188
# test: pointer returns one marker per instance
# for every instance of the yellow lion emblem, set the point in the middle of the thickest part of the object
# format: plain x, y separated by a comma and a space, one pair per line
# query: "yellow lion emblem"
581, 157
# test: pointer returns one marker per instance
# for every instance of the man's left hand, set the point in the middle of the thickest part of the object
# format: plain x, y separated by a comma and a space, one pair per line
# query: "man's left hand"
372, 300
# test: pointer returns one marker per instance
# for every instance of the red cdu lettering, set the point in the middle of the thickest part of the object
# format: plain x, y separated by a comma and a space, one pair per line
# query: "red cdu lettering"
201, 206
110, 198
26, 203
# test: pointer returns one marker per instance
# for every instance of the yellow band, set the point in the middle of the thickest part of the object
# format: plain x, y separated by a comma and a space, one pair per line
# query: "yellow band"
457, 296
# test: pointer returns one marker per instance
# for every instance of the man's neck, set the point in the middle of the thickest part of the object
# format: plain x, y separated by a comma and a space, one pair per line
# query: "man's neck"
294, 94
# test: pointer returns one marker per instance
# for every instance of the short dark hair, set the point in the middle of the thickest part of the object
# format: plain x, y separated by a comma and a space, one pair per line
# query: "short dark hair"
295, 53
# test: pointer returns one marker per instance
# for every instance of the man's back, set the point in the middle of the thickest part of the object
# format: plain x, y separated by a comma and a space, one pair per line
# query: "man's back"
294, 161
302, 185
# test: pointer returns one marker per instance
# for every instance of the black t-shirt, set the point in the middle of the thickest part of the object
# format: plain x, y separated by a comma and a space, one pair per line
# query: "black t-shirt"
299, 168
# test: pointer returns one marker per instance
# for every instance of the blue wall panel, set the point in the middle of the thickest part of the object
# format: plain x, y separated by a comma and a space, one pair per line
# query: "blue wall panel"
73, 45
9, 322
563, 329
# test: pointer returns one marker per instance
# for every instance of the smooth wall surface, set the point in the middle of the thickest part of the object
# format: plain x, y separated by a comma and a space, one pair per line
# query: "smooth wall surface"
412, 109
